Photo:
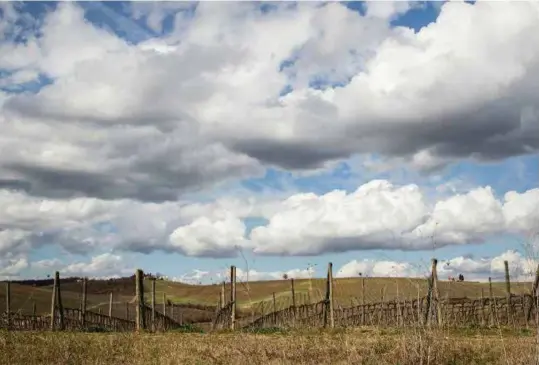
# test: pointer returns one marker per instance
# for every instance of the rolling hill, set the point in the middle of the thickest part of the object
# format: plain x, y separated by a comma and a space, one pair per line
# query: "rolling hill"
196, 303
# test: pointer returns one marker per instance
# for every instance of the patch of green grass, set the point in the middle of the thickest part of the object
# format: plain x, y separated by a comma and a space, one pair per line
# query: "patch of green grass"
266, 331
188, 328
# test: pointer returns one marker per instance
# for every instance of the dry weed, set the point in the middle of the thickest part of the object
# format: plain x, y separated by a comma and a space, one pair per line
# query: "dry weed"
358, 346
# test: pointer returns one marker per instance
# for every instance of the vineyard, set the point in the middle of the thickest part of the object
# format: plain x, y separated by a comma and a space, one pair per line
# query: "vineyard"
143, 312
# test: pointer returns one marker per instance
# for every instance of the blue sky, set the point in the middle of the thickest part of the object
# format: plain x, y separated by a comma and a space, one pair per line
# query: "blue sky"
253, 137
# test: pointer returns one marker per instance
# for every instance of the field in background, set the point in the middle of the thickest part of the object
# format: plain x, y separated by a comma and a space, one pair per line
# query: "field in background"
357, 346
252, 294
254, 298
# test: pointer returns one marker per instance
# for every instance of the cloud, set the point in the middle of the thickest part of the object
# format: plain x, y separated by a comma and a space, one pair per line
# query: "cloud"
48, 264
11, 266
255, 275
105, 153
197, 276
521, 268
387, 9
376, 268
204, 237
379, 215
204, 104
102, 266
194, 277
83, 225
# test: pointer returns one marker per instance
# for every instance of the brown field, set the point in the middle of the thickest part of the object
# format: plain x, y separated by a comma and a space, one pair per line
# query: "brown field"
253, 296
358, 346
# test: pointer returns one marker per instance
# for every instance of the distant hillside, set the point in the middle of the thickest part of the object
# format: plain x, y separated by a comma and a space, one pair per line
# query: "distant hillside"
198, 302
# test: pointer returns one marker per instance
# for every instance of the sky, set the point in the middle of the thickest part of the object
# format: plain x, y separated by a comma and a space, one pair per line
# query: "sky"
184, 137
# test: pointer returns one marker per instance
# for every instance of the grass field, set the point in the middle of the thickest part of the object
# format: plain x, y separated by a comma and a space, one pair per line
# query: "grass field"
359, 346
353, 346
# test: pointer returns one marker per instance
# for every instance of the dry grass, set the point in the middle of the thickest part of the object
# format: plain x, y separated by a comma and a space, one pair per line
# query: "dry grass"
358, 346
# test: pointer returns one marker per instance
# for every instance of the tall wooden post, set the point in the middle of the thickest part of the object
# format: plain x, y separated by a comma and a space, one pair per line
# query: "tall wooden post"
233, 297
274, 310
535, 282
84, 301
533, 293
508, 291
140, 318
482, 307
111, 298
223, 303
398, 306
293, 291
329, 317
8, 304
53, 303
436, 292
34, 314
363, 309
153, 305
490, 301
59, 295
381, 307
426, 319
507, 278
164, 304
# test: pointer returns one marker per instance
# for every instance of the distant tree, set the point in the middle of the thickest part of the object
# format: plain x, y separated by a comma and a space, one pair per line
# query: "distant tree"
285, 276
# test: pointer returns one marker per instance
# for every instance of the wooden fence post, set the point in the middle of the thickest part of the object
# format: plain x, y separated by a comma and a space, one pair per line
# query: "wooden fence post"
399, 308
139, 287
381, 306
60, 305
534, 293
363, 318
34, 314
482, 307
419, 302
436, 292
491, 301
84, 301
426, 319
223, 300
233, 297
153, 305
8, 304
293, 291
53, 302
507, 279
274, 310
508, 291
294, 311
164, 304
329, 298
535, 298
111, 298
535, 282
